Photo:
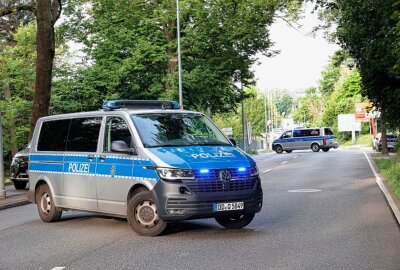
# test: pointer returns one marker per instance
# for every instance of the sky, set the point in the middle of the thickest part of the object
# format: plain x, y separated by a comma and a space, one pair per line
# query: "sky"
301, 60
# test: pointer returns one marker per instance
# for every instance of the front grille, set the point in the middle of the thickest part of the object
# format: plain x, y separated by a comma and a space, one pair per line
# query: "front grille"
211, 182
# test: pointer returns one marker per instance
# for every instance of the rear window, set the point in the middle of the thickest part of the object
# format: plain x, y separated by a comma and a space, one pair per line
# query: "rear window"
53, 135
328, 132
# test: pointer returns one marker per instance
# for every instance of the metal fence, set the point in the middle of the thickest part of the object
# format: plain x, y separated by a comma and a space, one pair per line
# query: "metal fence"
253, 146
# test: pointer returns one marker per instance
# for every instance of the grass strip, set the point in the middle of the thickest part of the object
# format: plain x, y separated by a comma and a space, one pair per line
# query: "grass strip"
390, 169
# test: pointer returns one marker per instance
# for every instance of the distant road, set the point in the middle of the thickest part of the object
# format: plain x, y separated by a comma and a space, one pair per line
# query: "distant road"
321, 211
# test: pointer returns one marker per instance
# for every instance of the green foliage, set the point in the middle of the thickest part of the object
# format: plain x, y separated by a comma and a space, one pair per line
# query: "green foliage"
17, 81
254, 113
133, 47
367, 29
331, 74
390, 168
283, 102
310, 108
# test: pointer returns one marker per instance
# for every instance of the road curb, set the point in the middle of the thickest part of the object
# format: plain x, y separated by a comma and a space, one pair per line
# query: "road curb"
17, 202
392, 201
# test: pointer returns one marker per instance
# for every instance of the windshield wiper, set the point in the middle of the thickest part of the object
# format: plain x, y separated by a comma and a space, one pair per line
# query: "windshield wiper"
212, 143
167, 145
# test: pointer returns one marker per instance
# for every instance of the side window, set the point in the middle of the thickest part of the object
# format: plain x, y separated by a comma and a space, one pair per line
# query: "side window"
116, 130
53, 135
297, 133
84, 134
287, 135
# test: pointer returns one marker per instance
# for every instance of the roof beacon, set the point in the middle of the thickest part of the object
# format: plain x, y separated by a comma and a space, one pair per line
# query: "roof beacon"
140, 105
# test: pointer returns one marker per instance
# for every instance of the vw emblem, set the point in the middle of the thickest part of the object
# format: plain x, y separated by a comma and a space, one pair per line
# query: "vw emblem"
225, 175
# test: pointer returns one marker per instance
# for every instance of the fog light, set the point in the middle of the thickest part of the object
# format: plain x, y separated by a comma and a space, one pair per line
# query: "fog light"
176, 211
184, 190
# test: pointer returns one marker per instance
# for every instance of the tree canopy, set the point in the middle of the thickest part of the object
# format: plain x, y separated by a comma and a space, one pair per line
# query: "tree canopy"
133, 49
369, 31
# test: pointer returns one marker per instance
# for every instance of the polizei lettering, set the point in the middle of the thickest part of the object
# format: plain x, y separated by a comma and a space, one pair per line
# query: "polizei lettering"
78, 168
213, 155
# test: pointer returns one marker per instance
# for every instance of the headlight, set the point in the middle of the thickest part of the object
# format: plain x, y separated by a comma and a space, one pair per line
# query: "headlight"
16, 160
174, 174
254, 171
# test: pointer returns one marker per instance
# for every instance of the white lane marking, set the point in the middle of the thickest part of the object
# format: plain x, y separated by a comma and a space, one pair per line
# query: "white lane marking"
267, 170
295, 157
58, 268
389, 198
304, 190
284, 162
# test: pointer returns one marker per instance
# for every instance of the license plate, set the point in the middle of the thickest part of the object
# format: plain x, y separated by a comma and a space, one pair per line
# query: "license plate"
218, 207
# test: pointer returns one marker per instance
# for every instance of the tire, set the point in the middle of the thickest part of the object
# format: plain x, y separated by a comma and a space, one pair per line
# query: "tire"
237, 221
279, 149
325, 149
142, 215
48, 212
315, 147
19, 184
288, 151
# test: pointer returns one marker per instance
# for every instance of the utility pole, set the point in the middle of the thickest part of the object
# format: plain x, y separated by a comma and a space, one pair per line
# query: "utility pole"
237, 76
265, 118
178, 33
2, 188
265, 111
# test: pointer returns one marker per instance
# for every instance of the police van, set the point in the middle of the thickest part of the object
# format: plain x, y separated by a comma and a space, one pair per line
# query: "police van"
147, 161
305, 138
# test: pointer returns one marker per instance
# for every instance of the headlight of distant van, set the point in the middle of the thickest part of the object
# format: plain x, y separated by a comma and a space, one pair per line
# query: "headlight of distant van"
254, 170
174, 174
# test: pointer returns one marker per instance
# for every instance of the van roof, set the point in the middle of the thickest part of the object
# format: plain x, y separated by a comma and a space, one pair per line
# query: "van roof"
114, 112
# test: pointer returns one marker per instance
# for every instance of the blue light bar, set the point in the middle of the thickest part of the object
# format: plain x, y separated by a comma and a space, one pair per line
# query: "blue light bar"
140, 105
242, 169
204, 171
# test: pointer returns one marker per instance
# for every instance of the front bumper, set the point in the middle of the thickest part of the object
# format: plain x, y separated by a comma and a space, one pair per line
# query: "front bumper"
170, 200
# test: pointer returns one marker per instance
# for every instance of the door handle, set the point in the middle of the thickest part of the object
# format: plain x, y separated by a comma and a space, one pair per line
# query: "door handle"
90, 157
102, 158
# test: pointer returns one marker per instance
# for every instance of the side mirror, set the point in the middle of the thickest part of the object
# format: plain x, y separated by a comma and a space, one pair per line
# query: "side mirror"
233, 142
122, 147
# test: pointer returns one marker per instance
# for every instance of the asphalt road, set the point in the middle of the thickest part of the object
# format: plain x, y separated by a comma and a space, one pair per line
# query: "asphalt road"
341, 222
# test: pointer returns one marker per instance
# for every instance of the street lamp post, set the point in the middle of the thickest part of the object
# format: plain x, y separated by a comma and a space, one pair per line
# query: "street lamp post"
178, 33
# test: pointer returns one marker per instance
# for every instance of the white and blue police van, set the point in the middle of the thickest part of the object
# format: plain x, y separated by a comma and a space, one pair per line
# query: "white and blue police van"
148, 161
305, 138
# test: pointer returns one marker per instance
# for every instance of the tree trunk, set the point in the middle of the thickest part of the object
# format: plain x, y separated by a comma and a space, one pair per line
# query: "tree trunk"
44, 65
385, 150
12, 131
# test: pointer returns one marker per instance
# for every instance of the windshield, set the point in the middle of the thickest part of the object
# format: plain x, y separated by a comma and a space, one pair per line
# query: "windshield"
177, 129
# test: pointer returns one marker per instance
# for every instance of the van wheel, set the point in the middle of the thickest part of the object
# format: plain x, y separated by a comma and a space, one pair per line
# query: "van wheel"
142, 215
325, 149
48, 212
288, 151
235, 221
279, 149
19, 184
315, 147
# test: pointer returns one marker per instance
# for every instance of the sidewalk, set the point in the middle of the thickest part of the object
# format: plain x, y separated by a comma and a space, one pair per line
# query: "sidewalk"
13, 198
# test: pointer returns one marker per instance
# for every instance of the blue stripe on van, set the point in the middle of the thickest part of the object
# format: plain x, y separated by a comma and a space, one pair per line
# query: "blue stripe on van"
80, 164
303, 139
49, 167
